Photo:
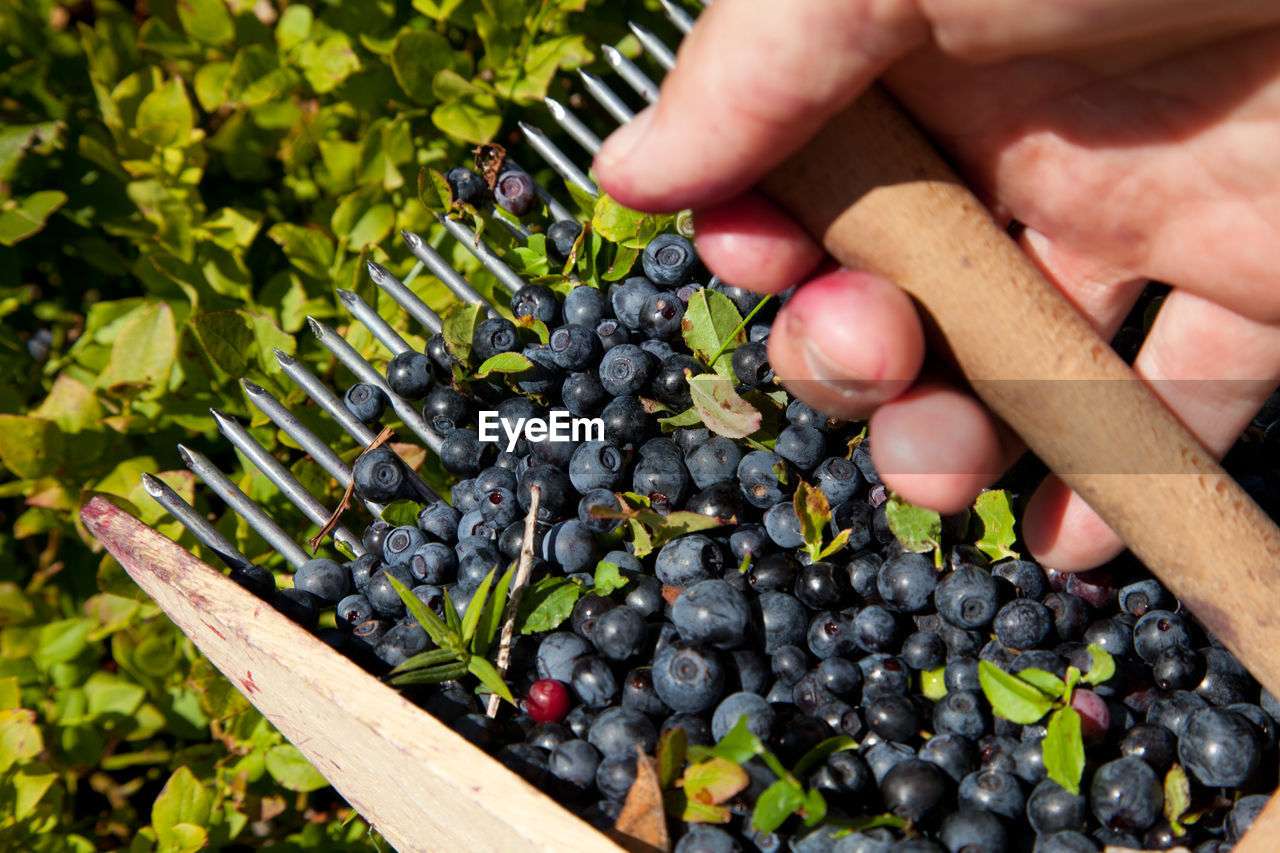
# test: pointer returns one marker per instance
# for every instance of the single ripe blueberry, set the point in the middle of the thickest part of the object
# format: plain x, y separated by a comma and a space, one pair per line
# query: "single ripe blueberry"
561, 235
378, 475
466, 186
668, 259
326, 579
514, 192
536, 300
492, 336
365, 402
626, 370
660, 316
409, 375
628, 300
751, 365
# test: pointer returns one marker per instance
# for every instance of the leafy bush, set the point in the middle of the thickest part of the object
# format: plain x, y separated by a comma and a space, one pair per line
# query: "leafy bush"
181, 184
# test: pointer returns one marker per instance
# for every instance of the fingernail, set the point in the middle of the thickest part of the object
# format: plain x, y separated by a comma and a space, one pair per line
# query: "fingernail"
828, 364
624, 142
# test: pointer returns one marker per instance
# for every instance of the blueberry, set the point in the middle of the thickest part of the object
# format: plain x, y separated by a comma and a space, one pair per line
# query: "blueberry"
362, 568
893, 717
409, 375
759, 714
715, 461
1065, 841
751, 365
838, 480
561, 237
704, 838
883, 675
467, 186
747, 541
326, 579
628, 300
585, 306
593, 682
537, 301
570, 545
962, 712
599, 499
670, 386
582, 394
446, 407
1022, 624
492, 336
611, 334
1154, 744
620, 633
1244, 813
687, 678
821, 586
1070, 614
906, 582
514, 192
352, 610
912, 788
712, 612
661, 315
463, 454
967, 598
803, 446
830, 634
554, 485
401, 542
994, 791
403, 641
663, 479
973, 830
365, 402
685, 561
625, 421
1157, 631
783, 619
1173, 710
575, 761
616, 730
1025, 578
574, 347
1142, 596
626, 370
378, 475
744, 300
382, 595
1052, 808
1218, 748
668, 259
643, 594
558, 652
1178, 668
616, 774
924, 650
1126, 794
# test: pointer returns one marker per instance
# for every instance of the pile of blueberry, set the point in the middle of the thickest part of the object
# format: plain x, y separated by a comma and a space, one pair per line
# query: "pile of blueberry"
738, 621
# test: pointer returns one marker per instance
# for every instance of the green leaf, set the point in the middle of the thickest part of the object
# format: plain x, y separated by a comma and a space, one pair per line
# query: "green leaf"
20, 738
607, 578
293, 27
689, 417
415, 58
1101, 665
615, 222
1010, 696
458, 328
738, 745
363, 217
495, 611
672, 746
1046, 681
471, 618
31, 782
182, 800
206, 21
814, 808
327, 62
1177, 797
722, 410
814, 513
226, 338
712, 325
483, 670
917, 528
821, 753
452, 622
546, 604
423, 660
528, 321
1063, 749
401, 513
714, 781
20, 218
471, 118
30, 447
308, 249
933, 683
165, 117
291, 769
778, 802
439, 632
837, 544
650, 529
434, 675
504, 362
992, 506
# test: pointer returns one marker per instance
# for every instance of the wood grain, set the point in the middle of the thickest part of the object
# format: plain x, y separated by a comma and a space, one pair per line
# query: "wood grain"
417, 782
880, 198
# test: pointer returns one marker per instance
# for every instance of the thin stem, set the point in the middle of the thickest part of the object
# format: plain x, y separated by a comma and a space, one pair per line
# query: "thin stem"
523, 569
711, 362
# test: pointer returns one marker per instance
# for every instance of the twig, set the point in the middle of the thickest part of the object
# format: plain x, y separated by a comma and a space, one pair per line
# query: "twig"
523, 568
343, 504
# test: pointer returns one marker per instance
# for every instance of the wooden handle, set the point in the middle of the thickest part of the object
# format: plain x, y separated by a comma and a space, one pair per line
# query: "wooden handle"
413, 778
880, 198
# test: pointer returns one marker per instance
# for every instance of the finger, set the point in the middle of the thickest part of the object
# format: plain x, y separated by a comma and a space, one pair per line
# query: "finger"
846, 342
749, 242
937, 446
1213, 368
752, 82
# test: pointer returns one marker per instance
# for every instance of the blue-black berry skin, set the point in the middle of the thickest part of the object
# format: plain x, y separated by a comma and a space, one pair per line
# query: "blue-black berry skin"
626, 370
379, 475
1022, 624
751, 365
713, 613
838, 479
467, 186
1126, 794
967, 597
906, 582
670, 385
561, 235
326, 579
514, 192
365, 402
628, 298
1218, 748
685, 561
668, 259
759, 481
688, 678
538, 301
575, 347
660, 316
493, 336
409, 374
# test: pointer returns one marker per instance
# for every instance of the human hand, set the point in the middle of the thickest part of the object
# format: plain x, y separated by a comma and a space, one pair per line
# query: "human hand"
1134, 140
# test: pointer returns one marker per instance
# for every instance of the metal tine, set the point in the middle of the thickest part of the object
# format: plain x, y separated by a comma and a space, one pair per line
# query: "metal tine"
606, 97
631, 74
327, 400
204, 532
372, 321
306, 439
653, 46
243, 506
557, 210
682, 19
573, 126
405, 297
438, 267
282, 479
488, 258
558, 159
364, 371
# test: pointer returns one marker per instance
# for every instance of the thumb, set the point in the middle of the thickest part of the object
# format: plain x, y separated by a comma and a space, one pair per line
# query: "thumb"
752, 82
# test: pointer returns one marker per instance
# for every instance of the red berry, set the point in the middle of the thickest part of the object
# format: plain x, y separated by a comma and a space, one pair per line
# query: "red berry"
1095, 716
548, 701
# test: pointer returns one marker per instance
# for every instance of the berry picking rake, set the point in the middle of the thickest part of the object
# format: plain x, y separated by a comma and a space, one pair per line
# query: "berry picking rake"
895, 208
